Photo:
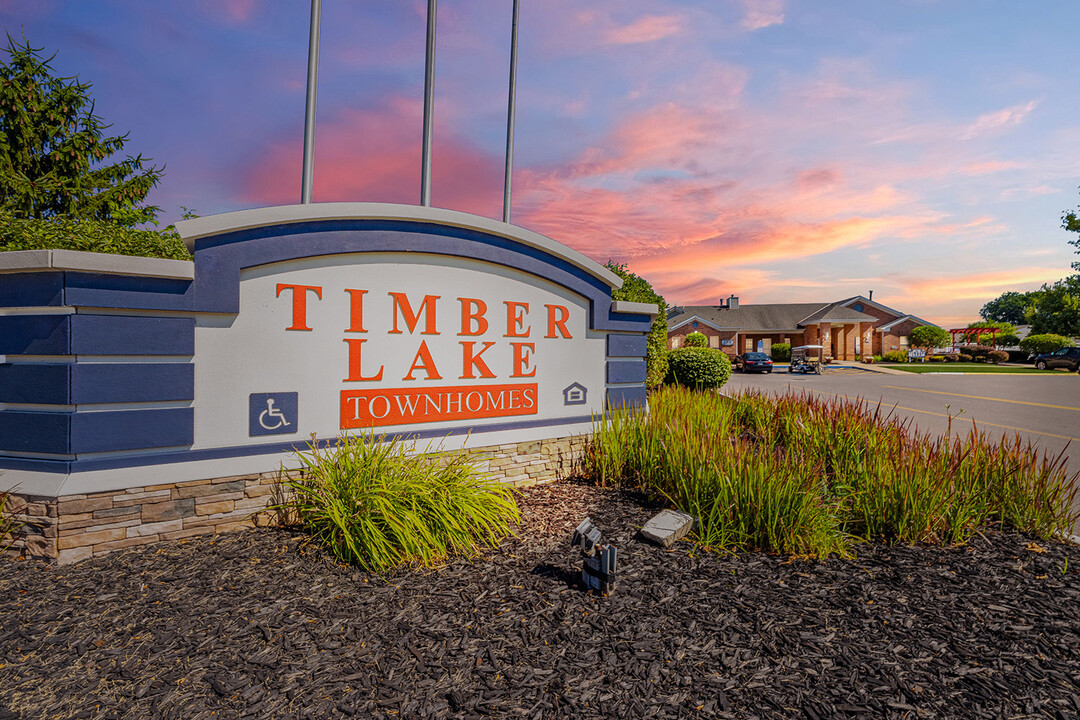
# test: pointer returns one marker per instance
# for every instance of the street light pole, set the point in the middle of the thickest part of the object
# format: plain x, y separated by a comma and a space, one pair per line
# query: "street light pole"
309, 110
510, 116
429, 105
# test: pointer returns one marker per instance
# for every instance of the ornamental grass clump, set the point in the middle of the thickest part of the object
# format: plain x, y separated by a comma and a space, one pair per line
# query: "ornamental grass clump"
804, 475
379, 503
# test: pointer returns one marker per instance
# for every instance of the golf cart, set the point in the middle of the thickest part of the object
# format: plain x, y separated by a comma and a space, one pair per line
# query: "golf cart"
806, 359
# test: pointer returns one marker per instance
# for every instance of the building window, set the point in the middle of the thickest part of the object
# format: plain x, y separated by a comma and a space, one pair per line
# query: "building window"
903, 341
693, 324
857, 307
714, 341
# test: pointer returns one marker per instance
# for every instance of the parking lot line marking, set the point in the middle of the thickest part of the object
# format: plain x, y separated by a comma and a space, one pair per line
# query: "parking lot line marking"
980, 397
954, 417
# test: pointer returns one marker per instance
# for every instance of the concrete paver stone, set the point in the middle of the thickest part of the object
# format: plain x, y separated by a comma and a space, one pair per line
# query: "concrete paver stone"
667, 527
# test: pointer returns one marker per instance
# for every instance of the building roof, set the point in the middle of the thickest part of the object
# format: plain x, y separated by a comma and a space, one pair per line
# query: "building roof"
780, 316
835, 312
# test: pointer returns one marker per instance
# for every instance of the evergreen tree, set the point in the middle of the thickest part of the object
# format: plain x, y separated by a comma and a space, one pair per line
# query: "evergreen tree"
54, 152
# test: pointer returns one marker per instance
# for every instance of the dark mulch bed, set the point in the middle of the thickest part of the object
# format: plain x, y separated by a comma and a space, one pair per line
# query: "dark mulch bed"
253, 625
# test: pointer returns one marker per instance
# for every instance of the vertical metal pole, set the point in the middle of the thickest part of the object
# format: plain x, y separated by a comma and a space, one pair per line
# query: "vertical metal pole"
429, 105
510, 116
309, 111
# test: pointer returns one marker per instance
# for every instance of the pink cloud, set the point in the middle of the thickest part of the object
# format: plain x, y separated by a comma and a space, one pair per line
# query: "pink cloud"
990, 166
758, 14
235, 12
983, 284
998, 120
374, 156
644, 30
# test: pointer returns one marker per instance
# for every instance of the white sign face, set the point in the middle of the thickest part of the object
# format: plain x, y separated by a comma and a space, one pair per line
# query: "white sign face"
392, 342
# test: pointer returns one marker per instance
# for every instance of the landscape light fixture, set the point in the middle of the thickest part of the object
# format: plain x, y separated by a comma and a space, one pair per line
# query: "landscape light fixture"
600, 561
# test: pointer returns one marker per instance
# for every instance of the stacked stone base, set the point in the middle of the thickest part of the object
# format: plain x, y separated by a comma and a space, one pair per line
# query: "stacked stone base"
70, 528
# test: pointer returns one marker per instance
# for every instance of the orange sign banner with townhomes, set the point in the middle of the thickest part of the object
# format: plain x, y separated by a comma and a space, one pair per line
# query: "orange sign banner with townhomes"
401, 406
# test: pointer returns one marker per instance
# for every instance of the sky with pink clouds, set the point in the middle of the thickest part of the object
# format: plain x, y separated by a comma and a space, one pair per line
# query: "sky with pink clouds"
780, 150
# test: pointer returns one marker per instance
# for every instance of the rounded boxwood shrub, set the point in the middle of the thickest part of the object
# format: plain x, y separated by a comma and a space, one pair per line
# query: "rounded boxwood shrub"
997, 356
951, 357
896, 356
781, 352
964, 357
697, 340
698, 367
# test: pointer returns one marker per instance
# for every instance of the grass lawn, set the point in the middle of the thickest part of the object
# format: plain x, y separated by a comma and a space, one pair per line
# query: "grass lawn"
968, 368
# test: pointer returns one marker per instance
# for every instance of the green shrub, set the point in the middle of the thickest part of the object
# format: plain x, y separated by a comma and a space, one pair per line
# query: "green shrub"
698, 367
656, 365
379, 503
696, 339
878, 358
781, 352
964, 357
937, 358
997, 356
1042, 344
90, 236
896, 356
979, 352
801, 474
8, 524
929, 337
638, 289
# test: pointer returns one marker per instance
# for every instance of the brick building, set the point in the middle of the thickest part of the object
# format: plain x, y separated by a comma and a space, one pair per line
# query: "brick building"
848, 329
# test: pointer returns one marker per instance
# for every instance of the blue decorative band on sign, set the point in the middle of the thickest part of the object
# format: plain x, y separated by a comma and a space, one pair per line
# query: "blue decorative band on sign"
87, 383
629, 321
96, 335
626, 398
32, 289
35, 432
635, 346
131, 429
220, 259
87, 432
35, 334
40, 384
117, 335
164, 458
273, 413
626, 371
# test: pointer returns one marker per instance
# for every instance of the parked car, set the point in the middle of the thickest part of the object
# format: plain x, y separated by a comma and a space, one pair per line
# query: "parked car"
1068, 358
753, 362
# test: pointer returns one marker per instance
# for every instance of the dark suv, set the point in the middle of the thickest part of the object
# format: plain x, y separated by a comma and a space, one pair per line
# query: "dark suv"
1068, 358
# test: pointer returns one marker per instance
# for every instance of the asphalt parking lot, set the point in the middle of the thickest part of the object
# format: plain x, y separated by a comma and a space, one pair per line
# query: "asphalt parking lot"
1044, 409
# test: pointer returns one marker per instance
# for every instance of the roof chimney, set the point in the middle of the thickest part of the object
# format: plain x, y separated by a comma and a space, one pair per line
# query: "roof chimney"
733, 303
871, 295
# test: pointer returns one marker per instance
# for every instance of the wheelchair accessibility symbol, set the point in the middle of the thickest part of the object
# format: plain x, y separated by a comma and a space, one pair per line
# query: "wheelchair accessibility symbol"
272, 413
271, 418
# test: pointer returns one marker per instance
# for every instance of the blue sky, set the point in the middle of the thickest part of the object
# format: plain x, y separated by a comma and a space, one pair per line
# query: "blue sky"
781, 151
